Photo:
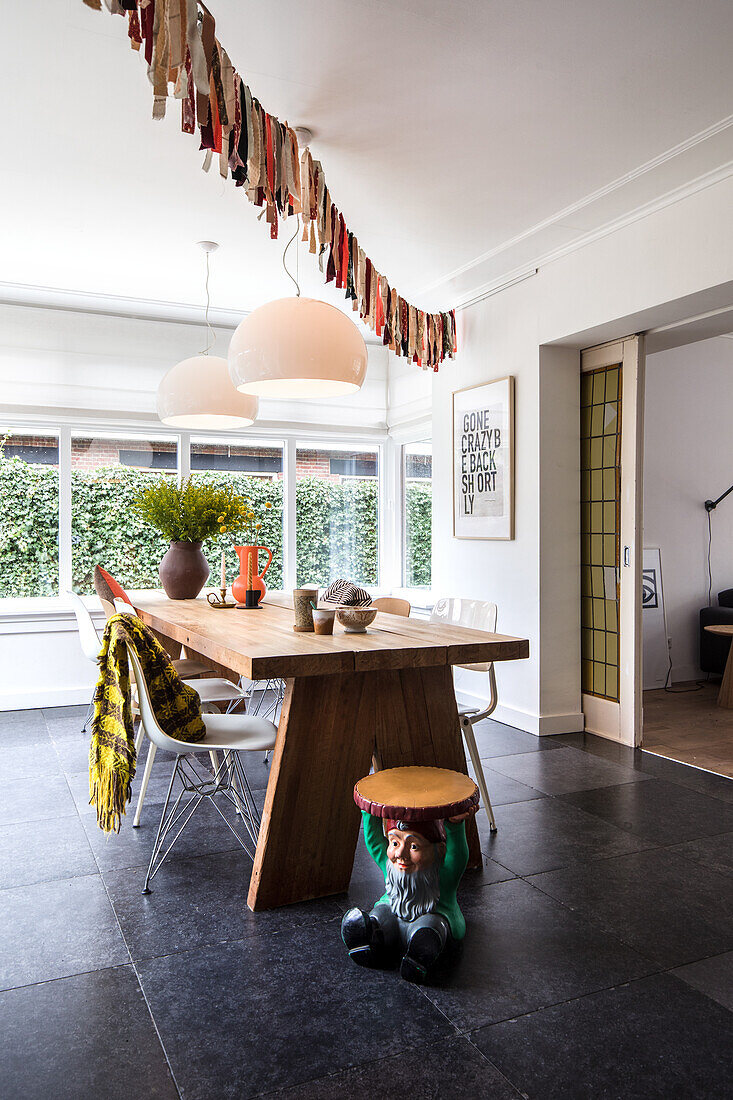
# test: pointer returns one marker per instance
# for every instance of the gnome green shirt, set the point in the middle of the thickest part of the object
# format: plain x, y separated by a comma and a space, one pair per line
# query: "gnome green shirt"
451, 872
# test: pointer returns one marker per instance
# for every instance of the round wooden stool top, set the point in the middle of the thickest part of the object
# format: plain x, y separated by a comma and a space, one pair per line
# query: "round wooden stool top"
416, 794
721, 628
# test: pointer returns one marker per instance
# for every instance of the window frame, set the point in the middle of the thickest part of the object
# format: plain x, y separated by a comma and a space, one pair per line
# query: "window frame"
417, 432
65, 427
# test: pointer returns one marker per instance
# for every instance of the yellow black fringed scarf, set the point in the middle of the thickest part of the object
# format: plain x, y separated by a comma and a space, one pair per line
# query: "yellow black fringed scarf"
112, 750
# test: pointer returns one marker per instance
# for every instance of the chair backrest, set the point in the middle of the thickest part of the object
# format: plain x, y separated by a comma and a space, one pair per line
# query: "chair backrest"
147, 714
476, 614
392, 605
122, 607
91, 643
108, 608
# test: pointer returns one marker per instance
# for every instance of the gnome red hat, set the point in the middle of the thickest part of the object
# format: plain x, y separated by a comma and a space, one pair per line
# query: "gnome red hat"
431, 830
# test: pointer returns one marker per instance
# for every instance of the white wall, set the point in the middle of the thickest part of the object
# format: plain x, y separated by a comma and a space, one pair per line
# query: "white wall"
688, 458
616, 285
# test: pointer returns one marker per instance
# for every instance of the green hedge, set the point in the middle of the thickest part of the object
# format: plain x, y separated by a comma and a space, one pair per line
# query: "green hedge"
336, 526
418, 534
29, 526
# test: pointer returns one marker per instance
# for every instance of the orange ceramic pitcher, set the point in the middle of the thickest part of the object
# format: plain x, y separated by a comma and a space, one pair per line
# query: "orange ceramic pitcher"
239, 587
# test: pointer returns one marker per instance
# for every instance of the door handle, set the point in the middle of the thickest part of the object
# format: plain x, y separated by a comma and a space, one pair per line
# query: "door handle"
627, 556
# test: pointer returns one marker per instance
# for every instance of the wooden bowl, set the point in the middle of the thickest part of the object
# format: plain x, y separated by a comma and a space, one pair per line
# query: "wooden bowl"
355, 620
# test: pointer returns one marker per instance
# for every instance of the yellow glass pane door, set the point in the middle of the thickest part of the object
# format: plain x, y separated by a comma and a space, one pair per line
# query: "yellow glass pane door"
611, 419
600, 507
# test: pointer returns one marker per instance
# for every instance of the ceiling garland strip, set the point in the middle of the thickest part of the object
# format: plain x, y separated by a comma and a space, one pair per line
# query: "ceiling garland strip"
261, 154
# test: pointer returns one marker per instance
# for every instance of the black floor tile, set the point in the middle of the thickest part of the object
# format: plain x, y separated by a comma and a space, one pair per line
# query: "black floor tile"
670, 909
22, 727
36, 851
673, 771
495, 739
55, 929
28, 761
660, 812
523, 951
653, 1039
715, 852
599, 746
713, 977
72, 753
62, 726
54, 714
86, 1036
36, 799
448, 1068
503, 790
547, 833
195, 903
695, 779
277, 1010
565, 770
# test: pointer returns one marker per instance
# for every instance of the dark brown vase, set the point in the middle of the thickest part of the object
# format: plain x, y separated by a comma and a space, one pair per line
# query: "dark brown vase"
183, 571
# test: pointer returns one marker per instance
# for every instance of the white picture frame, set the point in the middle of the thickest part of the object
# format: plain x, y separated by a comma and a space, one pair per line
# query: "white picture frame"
483, 460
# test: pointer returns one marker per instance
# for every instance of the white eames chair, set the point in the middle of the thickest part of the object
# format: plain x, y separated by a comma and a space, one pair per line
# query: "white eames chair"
230, 734
212, 692
478, 615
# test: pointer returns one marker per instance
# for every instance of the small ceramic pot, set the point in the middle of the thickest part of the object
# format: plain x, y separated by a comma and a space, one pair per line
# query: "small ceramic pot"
183, 571
355, 620
323, 618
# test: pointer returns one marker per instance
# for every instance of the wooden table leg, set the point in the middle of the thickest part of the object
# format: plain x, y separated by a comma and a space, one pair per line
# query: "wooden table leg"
329, 728
417, 723
725, 693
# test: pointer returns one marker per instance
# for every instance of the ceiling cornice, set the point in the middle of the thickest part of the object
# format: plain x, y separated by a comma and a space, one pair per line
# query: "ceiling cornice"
527, 250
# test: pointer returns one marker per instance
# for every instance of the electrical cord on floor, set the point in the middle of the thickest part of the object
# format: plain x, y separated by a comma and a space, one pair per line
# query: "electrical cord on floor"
699, 684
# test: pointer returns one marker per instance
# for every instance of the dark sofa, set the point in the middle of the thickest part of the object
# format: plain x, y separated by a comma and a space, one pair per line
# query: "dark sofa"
714, 647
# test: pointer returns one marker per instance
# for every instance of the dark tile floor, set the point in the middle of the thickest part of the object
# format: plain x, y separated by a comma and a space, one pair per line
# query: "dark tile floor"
598, 960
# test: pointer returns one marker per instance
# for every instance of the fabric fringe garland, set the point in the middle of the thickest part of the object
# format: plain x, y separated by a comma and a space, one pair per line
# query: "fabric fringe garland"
185, 60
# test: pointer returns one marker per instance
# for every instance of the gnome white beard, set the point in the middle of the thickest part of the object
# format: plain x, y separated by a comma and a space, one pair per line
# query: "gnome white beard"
412, 893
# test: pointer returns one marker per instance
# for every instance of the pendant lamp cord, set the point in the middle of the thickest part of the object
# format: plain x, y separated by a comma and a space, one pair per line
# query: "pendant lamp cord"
287, 246
212, 334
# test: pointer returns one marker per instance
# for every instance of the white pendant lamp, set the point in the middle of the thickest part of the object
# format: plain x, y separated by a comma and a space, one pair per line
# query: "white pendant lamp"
297, 348
198, 393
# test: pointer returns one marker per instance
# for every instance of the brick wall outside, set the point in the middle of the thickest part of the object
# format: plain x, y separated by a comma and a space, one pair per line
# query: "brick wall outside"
87, 453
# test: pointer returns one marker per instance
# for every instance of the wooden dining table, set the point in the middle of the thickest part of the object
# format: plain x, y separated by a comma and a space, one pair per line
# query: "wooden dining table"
348, 696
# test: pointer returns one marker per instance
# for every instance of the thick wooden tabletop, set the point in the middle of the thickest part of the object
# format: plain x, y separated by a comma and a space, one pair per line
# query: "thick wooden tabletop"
261, 644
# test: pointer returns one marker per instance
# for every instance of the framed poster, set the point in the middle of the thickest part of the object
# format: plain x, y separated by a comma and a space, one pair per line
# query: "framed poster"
483, 461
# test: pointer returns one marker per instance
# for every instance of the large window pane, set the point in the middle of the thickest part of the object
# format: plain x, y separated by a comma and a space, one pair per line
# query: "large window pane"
417, 471
337, 530
29, 514
254, 471
105, 473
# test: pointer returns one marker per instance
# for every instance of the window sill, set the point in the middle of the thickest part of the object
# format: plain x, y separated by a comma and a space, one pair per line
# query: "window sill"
43, 610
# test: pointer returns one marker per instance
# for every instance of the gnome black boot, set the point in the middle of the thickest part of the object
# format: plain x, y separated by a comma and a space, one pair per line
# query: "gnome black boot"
423, 951
362, 936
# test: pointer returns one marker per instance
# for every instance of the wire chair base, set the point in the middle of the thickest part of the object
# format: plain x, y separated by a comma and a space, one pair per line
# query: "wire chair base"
197, 784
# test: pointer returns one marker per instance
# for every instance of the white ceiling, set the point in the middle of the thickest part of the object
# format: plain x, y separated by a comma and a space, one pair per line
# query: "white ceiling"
463, 140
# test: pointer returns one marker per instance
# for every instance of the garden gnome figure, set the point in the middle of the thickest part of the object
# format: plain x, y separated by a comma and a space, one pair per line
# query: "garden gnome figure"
422, 862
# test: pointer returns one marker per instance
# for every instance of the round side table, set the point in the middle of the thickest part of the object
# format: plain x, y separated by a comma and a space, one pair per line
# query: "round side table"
725, 695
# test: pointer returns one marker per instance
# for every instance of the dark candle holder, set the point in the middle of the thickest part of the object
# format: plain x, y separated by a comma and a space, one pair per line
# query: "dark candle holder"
251, 600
